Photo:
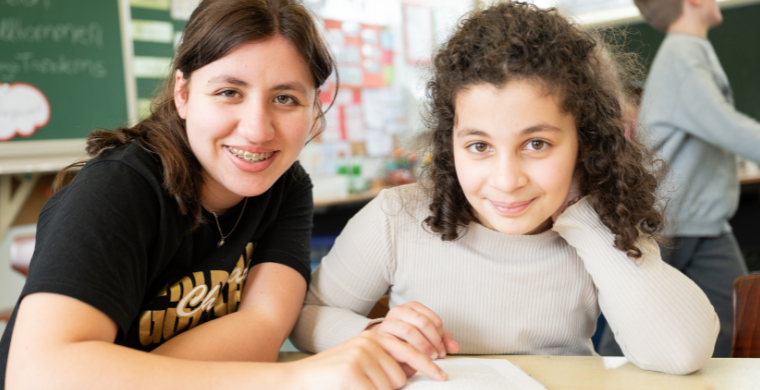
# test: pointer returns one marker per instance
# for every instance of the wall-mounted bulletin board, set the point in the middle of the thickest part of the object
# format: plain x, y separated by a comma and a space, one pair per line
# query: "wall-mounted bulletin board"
62, 74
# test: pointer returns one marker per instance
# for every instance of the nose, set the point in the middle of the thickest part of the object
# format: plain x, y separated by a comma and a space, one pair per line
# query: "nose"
257, 122
507, 174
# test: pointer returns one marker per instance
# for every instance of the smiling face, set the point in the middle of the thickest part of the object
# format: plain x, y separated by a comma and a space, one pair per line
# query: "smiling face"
514, 151
247, 117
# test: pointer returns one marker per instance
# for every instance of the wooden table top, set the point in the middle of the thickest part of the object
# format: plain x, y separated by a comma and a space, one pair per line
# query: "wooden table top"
608, 373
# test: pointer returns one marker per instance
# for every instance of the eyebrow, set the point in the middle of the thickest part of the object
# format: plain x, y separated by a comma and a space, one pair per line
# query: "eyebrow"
228, 80
530, 130
293, 86
290, 87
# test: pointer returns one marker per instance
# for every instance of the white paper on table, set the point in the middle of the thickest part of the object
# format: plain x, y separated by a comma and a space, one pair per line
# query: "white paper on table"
480, 374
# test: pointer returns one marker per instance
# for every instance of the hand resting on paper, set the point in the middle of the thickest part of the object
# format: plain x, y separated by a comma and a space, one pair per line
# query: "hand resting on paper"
419, 326
368, 361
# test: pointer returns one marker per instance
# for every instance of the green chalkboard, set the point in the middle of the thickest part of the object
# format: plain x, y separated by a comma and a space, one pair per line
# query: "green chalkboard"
71, 51
161, 50
737, 44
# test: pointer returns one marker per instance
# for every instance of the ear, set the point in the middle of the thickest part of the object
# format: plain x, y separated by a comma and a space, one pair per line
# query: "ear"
180, 94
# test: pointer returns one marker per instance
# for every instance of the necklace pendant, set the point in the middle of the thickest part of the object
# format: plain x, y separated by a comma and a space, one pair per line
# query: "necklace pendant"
220, 243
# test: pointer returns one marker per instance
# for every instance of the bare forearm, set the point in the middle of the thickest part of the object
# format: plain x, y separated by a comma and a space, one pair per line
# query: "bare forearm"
241, 337
99, 365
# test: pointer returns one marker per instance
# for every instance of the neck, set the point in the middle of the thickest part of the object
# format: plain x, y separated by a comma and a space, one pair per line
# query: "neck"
218, 202
546, 225
690, 22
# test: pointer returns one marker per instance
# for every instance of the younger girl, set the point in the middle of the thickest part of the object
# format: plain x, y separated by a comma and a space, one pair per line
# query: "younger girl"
497, 249
184, 242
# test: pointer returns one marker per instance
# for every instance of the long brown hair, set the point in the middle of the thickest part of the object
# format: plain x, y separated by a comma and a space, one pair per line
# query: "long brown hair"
215, 28
515, 40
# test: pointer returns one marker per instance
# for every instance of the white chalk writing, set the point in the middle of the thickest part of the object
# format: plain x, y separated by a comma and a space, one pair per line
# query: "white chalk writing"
28, 63
12, 30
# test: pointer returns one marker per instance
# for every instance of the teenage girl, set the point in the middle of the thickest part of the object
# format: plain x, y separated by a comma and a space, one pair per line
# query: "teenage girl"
185, 239
538, 214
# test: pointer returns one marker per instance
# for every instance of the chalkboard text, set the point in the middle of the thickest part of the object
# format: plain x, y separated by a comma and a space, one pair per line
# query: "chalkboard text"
28, 63
12, 30
27, 3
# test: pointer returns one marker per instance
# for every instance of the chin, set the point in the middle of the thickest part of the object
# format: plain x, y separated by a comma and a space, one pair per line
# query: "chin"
512, 230
519, 229
251, 190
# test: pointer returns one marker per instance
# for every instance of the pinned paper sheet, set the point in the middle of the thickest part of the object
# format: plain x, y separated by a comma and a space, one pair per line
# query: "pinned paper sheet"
161, 5
152, 31
378, 142
182, 9
480, 374
151, 67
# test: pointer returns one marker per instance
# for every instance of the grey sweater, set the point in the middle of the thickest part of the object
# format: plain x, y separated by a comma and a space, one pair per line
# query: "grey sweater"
688, 109
498, 294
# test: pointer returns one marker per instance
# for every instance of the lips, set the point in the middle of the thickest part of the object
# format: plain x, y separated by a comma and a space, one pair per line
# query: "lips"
511, 208
251, 157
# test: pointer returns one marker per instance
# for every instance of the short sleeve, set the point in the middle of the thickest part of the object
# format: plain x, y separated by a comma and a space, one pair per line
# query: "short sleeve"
93, 241
288, 240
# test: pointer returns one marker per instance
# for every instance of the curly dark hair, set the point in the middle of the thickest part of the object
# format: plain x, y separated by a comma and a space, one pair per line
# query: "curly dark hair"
518, 41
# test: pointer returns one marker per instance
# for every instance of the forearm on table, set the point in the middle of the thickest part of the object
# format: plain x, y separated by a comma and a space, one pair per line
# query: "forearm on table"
243, 336
661, 319
269, 306
342, 291
101, 365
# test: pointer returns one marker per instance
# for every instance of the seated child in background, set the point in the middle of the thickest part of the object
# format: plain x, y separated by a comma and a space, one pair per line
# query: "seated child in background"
537, 215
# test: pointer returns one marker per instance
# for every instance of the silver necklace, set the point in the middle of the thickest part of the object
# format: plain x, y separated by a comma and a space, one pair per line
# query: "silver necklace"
216, 218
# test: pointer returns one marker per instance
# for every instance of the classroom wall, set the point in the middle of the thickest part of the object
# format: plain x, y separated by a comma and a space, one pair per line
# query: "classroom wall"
735, 41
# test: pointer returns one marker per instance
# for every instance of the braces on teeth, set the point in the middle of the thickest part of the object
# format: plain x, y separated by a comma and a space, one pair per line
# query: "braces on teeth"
248, 156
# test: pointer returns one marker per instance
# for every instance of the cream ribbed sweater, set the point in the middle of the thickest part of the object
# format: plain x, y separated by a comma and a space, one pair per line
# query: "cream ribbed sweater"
499, 294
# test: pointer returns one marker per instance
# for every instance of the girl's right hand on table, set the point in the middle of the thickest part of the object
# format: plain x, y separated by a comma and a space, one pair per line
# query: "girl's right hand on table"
368, 361
419, 326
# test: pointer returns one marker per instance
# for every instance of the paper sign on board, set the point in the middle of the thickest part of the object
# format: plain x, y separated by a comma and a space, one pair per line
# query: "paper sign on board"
23, 110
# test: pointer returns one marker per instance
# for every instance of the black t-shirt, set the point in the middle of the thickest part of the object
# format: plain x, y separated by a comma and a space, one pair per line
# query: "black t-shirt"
116, 241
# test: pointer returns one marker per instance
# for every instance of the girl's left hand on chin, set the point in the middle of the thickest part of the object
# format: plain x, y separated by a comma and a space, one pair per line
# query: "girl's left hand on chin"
573, 196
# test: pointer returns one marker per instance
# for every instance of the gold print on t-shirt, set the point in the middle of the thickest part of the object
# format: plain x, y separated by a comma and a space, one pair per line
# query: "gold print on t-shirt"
193, 297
